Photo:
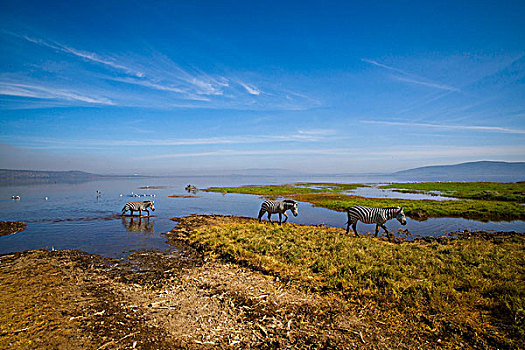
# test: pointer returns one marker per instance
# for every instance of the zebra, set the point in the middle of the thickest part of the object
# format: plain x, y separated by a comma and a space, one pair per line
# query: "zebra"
376, 216
138, 206
272, 207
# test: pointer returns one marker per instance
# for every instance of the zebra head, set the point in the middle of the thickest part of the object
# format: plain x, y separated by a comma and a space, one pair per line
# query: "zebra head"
292, 205
400, 216
150, 204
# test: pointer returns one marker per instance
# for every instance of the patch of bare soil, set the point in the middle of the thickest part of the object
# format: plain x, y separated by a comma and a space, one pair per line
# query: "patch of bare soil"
10, 227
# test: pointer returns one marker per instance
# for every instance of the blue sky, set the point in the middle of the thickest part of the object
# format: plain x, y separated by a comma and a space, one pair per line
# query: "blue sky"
204, 87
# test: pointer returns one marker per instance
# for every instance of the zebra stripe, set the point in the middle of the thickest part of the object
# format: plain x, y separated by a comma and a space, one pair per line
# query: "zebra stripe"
376, 216
280, 207
138, 206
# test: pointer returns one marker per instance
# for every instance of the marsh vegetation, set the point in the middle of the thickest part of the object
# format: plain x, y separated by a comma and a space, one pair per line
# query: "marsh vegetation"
463, 292
482, 201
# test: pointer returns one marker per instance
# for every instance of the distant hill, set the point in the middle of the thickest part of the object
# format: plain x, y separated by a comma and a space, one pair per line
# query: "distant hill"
482, 169
22, 177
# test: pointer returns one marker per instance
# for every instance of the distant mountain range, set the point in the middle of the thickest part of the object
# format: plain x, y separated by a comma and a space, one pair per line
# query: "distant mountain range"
21, 177
472, 169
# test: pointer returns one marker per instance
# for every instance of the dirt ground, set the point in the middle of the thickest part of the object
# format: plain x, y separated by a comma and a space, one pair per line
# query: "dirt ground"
177, 299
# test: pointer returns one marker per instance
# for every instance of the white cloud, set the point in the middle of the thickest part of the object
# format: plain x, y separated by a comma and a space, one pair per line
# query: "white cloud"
375, 63
42, 92
400, 153
425, 83
56, 143
496, 129
252, 90
411, 78
187, 87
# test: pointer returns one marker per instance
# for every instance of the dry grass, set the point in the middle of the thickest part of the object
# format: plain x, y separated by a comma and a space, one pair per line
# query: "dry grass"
462, 292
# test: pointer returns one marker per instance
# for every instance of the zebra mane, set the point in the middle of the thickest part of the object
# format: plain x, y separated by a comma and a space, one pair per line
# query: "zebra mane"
397, 209
289, 201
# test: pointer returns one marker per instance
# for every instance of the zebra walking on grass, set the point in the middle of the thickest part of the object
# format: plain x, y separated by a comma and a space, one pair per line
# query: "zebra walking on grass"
376, 216
138, 206
272, 207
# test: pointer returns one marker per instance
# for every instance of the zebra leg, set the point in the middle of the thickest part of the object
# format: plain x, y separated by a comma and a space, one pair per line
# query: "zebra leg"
286, 217
147, 211
269, 217
377, 229
388, 234
354, 227
280, 218
261, 213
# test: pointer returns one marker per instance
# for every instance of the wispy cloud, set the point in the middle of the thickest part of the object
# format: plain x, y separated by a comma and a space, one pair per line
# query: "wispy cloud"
426, 83
411, 78
41, 92
496, 129
313, 136
256, 152
377, 64
252, 90
90, 56
400, 153
163, 83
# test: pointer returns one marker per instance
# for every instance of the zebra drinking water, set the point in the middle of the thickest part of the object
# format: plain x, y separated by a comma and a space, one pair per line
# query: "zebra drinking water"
138, 206
376, 216
272, 207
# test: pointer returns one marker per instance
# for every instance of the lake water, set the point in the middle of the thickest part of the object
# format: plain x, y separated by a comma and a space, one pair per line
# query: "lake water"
75, 217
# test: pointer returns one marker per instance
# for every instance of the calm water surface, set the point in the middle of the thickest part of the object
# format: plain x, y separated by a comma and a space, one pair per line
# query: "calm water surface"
75, 217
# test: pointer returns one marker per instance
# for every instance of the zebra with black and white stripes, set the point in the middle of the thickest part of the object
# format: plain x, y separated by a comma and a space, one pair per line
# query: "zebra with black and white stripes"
138, 206
376, 216
280, 207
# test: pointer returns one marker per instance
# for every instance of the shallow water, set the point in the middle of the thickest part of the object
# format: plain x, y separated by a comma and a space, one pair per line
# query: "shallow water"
375, 191
75, 217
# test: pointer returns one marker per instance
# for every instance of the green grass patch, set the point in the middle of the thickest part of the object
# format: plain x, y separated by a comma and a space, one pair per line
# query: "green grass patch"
422, 209
497, 191
283, 190
290, 189
471, 290
328, 195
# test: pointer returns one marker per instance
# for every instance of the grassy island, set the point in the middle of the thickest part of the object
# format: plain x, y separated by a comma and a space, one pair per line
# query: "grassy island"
495, 191
479, 201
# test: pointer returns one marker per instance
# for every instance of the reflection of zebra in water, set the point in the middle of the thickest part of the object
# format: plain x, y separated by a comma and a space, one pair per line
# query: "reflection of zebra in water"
272, 207
376, 216
134, 224
138, 206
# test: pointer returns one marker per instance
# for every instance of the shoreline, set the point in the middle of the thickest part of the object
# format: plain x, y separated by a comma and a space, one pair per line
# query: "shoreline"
192, 297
